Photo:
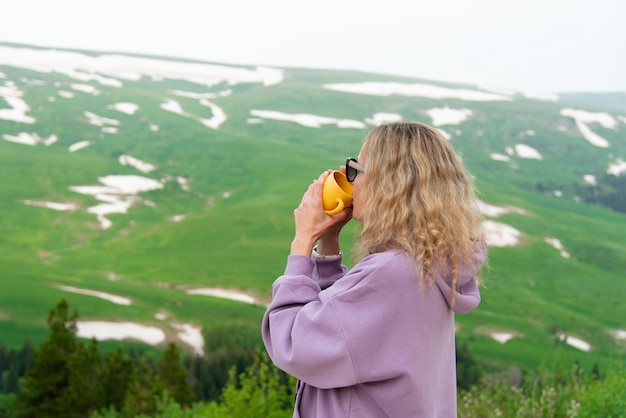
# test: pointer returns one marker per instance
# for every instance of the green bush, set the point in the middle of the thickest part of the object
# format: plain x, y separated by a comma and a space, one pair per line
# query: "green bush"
548, 395
7, 405
260, 391
605, 398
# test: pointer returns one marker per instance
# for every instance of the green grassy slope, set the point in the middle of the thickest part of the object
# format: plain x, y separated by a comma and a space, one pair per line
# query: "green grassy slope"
245, 180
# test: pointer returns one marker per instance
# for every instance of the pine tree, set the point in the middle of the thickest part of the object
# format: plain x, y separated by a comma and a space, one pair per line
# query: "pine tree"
117, 370
46, 382
11, 381
143, 390
26, 358
173, 376
84, 393
468, 371
7, 359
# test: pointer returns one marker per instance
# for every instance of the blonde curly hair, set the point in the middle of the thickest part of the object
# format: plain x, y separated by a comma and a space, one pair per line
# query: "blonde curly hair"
419, 198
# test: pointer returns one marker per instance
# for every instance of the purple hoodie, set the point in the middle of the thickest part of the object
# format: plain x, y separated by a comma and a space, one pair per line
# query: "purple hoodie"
374, 341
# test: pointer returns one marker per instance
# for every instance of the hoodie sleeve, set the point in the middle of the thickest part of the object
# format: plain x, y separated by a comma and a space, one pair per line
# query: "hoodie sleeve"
327, 272
301, 334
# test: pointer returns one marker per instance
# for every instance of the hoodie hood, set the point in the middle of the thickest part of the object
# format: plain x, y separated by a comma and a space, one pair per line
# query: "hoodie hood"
466, 294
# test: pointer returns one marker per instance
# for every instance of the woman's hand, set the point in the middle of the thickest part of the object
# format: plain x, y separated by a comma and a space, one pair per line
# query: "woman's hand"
312, 223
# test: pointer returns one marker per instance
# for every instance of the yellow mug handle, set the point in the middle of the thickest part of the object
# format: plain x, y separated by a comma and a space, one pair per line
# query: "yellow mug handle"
337, 209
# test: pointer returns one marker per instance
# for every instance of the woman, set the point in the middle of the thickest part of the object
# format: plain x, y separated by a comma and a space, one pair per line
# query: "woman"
378, 340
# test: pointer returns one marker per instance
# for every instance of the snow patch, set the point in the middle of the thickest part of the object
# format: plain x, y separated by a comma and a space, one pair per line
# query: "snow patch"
554, 242
501, 235
135, 163
306, 119
415, 90
583, 117
172, 106
107, 330
109, 130
592, 137
200, 96
214, 122
499, 157
51, 205
224, 293
525, 151
448, 116
119, 300
66, 94
601, 118
30, 139
78, 146
590, 179
17, 106
183, 183
502, 337
192, 336
218, 117
128, 108
575, 342
96, 120
495, 211
118, 194
130, 184
617, 168
382, 117
85, 88
103, 330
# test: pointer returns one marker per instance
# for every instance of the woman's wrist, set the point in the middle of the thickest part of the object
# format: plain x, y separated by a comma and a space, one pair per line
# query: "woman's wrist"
301, 246
328, 245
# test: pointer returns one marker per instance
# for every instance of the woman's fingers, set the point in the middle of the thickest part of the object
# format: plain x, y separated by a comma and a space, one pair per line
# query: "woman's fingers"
314, 191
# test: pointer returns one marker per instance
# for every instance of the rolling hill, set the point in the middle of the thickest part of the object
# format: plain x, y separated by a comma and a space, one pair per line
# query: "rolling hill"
156, 194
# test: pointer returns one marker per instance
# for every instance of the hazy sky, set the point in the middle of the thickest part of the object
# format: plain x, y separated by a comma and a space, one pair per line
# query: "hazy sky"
527, 45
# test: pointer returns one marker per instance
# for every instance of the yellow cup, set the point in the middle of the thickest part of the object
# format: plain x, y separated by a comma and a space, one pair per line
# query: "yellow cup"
336, 193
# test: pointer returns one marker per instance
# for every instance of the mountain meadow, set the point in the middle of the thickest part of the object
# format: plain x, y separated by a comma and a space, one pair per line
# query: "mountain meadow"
155, 195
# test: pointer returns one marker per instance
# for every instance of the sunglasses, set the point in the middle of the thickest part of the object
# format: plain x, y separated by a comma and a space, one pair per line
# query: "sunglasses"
352, 169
